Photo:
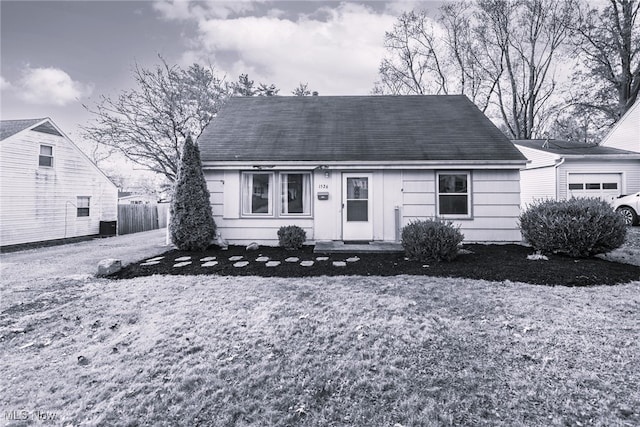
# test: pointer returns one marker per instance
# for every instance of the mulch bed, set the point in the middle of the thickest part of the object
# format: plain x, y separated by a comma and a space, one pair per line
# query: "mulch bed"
488, 262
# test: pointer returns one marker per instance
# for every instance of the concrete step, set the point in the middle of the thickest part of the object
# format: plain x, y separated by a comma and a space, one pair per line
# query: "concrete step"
337, 246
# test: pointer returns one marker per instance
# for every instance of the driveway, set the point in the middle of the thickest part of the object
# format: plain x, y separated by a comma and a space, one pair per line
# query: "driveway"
43, 268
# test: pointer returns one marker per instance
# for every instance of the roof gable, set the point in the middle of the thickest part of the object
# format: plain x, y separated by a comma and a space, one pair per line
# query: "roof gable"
354, 128
11, 127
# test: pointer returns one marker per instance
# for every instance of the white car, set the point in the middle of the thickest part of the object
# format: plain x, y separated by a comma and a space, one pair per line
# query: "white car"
628, 207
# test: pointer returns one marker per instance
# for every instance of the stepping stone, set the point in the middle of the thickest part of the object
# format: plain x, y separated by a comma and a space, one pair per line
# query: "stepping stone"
339, 264
262, 259
306, 263
183, 258
158, 258
210, 264
207, 258
236, 258
292, 259
181, 264
150, 263
241, 264
353, 259
322, 258
272, 263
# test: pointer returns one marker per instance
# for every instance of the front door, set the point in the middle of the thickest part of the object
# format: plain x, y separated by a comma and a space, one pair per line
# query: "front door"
357, 223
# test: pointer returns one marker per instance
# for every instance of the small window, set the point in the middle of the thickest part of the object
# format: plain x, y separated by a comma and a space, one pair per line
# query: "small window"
609, 185
453, 194
83, 205
295, 193
46, 156
576, 186
592, 186
257, 198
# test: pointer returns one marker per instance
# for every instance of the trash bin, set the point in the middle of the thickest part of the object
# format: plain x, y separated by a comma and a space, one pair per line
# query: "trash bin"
108, 228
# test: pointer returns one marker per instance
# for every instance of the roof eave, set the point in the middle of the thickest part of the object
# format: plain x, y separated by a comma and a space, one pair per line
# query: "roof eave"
409, 164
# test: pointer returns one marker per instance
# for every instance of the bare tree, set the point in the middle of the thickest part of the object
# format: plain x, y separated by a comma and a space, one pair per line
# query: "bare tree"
302, 90
609, 43
245, 87
150, 123
415, 62
501, 54
522, 41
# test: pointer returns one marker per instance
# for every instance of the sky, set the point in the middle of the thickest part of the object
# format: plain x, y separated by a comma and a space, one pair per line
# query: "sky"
58, 55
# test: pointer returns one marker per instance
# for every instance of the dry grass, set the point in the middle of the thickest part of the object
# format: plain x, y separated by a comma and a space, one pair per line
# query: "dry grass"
322, 351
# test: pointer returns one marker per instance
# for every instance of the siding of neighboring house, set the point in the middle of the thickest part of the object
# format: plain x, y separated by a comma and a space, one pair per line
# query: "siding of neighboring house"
625, 134
537, 184
39, 203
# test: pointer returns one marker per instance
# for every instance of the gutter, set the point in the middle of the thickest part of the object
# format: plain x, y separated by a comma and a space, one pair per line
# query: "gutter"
557, 166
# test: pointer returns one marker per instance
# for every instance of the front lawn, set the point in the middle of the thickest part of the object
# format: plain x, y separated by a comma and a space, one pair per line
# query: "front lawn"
322, 351
488, 262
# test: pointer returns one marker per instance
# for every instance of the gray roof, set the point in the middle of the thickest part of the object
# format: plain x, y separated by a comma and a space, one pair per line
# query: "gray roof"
561, 147
11, 127
354, 128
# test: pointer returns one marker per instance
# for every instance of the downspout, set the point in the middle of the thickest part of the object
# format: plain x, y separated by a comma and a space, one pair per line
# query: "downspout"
558, 177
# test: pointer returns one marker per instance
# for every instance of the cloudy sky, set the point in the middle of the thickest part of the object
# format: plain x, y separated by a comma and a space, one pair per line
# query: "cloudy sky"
57, 55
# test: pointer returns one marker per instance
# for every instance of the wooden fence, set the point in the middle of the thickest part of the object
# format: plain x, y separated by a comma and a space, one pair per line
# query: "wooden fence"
141, 217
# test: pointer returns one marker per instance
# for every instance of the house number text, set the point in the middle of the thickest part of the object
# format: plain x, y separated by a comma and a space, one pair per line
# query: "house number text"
323, 186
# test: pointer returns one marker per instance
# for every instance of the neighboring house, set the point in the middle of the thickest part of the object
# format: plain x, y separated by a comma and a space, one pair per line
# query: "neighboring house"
625, 134
49, 189
127, 198
359, 168
561, 169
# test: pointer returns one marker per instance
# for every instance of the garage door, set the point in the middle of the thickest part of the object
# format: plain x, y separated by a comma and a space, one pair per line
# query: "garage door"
606, 186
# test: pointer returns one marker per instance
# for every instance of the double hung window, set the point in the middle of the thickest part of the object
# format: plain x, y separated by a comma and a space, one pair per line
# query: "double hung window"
453, 194
82, 205
46, 156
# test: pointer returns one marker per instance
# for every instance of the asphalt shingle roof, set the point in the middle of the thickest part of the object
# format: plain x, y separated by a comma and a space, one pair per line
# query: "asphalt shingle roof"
354, 128
11, 127
561, 147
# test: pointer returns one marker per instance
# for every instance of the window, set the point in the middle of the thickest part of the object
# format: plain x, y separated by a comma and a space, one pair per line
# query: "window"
592, 186
609, 185
576, 186
453, 194
46, 156
295, 193
83, 205
294, 197
257, 197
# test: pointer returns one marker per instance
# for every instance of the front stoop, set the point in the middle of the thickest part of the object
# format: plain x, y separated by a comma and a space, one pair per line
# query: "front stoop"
337, 246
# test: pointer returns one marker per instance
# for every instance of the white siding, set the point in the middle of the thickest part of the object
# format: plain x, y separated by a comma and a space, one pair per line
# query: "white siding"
538, 158
38, 203
625, 135
629, 169
495, 202
495, 206
537, 184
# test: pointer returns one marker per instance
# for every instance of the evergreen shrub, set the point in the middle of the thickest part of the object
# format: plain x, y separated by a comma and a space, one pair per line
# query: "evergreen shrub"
291, 237
191, 226
578, 227
431, 240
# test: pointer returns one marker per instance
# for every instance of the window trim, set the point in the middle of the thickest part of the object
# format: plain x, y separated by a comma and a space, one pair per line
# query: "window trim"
45, 156
275, 192
87, 208
469, 192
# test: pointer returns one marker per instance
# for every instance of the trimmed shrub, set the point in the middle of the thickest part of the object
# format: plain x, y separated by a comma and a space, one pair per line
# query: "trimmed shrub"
191, 227
291, 237
576, 227
431, 240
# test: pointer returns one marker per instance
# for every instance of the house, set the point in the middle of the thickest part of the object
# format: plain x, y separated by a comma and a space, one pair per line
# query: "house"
358, 168
49, 189
625, 134
561, 169
129, 198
